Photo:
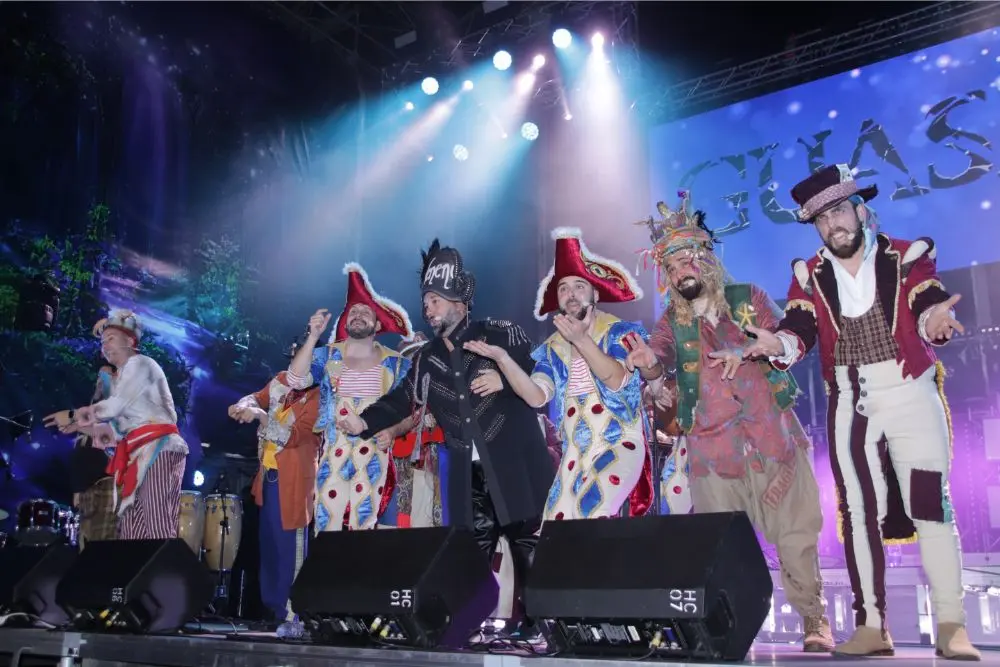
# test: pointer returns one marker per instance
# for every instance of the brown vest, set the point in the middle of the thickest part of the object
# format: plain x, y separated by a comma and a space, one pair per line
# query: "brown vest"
865, 340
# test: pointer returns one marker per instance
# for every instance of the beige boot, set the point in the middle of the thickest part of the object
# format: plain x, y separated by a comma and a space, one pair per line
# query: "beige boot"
953, 643
819, 637
866, 642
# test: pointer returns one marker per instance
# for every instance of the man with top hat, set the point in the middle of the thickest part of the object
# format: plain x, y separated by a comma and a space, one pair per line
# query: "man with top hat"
582, 368
746, 450
876, 307
285, 485
148, 464
355, 478
499, 470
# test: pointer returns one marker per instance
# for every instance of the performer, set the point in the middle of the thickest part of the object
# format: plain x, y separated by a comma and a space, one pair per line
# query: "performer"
285, 485
582, 367
498, 469
876, 306
148, 464
746, 449
355, 478
416, 502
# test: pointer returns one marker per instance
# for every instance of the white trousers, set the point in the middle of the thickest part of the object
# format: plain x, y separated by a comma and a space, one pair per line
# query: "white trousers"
876, 417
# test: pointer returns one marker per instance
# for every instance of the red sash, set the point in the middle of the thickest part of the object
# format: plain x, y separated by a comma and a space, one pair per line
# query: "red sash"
403, 446
127, 474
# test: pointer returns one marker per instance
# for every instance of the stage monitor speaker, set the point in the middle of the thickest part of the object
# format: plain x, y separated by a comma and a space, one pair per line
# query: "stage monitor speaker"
419, 587
28, 580
135, 586
691, 586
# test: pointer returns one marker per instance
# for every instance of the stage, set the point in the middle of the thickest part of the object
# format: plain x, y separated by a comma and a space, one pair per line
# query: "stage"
777, 643
235, 651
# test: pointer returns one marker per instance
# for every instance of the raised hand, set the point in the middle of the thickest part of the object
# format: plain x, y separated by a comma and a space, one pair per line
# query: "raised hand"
483, 349
571, 328
940, 325
765, 345
641, 355
319, 322
59, 420
486, 383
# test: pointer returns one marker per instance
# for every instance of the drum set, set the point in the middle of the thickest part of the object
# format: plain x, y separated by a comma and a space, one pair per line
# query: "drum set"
41, 522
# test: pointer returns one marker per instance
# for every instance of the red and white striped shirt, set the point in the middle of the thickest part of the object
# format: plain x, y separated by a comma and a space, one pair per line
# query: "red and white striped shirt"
360, 384
581, 382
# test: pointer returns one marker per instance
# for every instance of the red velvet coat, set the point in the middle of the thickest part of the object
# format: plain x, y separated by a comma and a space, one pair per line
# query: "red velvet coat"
907, 285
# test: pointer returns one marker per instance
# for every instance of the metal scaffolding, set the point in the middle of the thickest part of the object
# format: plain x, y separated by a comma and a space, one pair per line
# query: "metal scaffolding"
872, 42
531, 22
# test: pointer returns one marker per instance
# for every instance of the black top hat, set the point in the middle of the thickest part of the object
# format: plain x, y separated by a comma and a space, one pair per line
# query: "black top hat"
826, 188
444, 274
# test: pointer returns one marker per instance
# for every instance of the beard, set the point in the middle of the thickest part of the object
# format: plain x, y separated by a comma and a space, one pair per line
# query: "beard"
690, 288
850, 248
360, 329
445, 323
581, 309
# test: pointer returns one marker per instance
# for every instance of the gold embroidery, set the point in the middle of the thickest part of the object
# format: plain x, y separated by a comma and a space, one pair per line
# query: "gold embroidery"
803, 304
927, 284
691, 367
899, 282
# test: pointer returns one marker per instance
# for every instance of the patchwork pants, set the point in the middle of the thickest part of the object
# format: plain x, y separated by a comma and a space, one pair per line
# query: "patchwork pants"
876, 419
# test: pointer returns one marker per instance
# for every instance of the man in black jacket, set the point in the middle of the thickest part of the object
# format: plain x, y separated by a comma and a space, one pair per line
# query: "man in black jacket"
499, 471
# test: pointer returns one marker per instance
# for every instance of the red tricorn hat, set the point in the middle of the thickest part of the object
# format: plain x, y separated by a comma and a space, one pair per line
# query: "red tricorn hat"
613, 282
389, 314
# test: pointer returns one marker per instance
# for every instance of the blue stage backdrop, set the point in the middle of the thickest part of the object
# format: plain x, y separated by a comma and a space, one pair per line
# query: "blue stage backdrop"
921, 126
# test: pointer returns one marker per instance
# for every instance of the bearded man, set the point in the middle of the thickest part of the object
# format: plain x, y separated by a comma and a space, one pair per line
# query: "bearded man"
746, 449
355, 478
582, 368
876, 306
499, 470
148, 464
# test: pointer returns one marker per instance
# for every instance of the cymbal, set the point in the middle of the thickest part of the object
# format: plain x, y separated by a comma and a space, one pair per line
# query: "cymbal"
3, 515
236, 457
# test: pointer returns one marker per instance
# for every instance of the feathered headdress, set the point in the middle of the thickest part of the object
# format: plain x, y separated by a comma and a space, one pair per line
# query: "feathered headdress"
123, 320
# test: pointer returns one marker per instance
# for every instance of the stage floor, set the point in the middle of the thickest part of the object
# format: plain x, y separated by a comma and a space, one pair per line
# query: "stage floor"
220, 651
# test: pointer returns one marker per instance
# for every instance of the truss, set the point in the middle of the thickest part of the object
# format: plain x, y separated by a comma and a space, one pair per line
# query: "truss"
874, 41
533, 20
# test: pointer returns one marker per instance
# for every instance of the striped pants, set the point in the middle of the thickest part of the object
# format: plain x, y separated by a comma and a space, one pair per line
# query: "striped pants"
155, 512
876, 419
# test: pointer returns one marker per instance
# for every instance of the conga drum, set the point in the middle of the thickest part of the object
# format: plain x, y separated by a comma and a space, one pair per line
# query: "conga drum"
219, 511
191, 520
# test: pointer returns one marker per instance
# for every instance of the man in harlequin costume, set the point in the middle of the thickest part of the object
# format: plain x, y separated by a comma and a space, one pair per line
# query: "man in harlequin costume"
285, 485
746, 449
498, 470
355, 478
416, 502
582, 368
148, 465
876, 307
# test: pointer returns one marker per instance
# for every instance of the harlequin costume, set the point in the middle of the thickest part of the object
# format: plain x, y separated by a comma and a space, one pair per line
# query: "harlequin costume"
746, 449
888, 422
285, 485
148, 464
417, 499
498, 469
605, 458
355, 478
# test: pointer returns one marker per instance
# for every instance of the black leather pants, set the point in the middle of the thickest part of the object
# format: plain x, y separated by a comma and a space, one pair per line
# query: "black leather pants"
522, 535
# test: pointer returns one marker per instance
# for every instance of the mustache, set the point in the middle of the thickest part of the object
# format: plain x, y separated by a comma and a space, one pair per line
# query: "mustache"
584, 309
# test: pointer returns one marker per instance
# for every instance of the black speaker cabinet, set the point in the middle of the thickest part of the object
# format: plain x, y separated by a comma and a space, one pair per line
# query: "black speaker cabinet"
420, 587
682, 586
28, 580
135, 586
